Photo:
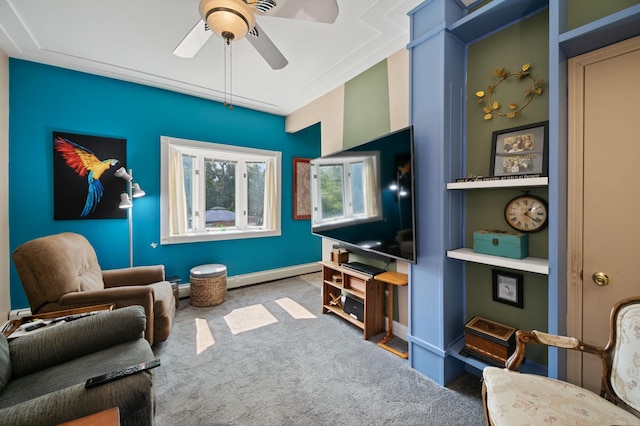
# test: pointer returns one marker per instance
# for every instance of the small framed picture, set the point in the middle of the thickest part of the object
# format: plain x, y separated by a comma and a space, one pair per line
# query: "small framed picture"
520, 150
301, 188
508, 288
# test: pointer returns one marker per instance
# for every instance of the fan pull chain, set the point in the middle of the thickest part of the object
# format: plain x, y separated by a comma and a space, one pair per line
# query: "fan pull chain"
228, 45
225, 75
230, 77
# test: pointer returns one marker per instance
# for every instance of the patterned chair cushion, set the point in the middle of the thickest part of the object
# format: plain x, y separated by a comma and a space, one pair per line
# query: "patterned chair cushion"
526, 399
625, 371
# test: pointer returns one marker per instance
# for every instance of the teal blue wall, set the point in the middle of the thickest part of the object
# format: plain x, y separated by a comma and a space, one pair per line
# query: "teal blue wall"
43, 99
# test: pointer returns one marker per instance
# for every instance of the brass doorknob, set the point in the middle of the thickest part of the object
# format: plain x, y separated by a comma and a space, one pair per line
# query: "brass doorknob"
600, 278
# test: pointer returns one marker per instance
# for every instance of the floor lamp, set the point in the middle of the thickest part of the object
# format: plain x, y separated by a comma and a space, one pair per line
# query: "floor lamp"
133, 191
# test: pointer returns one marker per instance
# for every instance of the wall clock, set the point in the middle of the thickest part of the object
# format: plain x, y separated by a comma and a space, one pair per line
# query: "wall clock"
526, 213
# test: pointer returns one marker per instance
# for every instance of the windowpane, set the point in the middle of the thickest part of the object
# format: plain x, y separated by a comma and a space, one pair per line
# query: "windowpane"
357, 188
331, 193
211, 191
220, 187
187, 166
255, 191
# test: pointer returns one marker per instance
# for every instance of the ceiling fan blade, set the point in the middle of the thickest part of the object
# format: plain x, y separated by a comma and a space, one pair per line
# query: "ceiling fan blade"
193, 42
267, 49
325, 11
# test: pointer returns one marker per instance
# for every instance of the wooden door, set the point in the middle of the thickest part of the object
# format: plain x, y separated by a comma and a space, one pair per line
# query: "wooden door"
604, 195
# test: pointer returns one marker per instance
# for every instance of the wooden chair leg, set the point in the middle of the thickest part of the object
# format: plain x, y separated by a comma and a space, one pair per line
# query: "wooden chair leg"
484, 404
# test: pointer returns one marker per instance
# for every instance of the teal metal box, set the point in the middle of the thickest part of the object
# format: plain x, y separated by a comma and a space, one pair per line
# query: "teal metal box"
501, 243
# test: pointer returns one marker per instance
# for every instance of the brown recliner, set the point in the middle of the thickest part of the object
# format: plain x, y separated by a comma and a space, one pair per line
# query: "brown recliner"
62, 272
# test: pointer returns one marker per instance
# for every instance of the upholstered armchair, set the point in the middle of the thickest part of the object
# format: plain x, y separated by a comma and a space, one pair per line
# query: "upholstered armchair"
61, 272
511, 398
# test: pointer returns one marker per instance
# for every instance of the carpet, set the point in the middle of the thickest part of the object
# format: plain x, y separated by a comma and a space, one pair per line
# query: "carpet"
292, 365
249, 318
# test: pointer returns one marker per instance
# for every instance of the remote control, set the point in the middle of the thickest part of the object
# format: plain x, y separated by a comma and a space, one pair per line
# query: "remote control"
35, 326
114, 375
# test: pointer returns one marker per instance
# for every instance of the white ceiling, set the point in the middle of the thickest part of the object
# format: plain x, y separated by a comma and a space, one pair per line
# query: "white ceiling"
133, 40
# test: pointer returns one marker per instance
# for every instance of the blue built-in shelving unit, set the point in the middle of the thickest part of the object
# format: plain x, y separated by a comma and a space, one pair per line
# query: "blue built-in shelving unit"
441, 31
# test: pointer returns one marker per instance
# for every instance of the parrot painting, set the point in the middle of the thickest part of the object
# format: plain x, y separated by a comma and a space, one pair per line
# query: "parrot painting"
85, 163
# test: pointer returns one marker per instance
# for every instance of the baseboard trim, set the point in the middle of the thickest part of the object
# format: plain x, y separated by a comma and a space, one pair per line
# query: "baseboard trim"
399, 330
235, 281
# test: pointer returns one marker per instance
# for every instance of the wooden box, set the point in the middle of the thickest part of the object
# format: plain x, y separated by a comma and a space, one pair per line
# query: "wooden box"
339, 256
488, 340
357, 284
501, 243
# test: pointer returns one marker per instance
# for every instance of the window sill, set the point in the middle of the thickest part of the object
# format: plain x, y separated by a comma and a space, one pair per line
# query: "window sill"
218, 236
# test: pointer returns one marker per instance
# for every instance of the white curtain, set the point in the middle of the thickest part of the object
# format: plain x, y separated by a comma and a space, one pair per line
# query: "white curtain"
372, 208
270, 196
177, 196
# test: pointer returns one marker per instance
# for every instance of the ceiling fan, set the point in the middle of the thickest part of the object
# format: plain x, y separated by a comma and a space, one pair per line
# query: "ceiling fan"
234, 19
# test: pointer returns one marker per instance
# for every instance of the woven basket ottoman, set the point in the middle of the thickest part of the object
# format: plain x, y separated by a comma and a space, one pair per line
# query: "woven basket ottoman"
208, 285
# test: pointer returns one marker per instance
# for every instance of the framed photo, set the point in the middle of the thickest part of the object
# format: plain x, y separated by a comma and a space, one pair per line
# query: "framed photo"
520, 150
508, 288
301, 188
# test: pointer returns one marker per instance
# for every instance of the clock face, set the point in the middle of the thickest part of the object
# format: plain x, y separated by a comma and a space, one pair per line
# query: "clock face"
526, 213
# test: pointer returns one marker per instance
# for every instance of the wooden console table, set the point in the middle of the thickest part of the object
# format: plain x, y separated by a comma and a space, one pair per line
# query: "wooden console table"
336, 280
398, 279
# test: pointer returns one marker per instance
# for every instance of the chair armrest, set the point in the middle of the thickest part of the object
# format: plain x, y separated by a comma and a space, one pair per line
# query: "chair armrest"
133, 395
75, 339
116, 295
538, 337
555, 340
138, 275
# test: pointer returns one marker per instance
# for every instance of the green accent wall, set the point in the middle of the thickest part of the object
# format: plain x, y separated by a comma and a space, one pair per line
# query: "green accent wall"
366, 106
522, 43
581, 12
366, 116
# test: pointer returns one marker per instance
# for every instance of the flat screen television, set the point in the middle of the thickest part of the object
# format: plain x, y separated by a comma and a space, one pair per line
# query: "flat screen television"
364, 197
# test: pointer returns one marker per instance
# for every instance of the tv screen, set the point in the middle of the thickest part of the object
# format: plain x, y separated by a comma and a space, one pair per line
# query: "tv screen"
363, 197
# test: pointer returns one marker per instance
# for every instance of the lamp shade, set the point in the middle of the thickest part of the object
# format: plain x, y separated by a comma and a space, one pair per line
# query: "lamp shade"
125, 202
122, 173
137, 191
229, 19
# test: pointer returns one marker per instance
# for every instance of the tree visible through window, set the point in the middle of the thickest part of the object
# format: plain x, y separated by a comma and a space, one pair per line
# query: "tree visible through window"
211, 191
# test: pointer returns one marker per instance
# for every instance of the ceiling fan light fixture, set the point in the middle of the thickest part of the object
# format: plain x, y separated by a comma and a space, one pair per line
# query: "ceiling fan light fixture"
229, 19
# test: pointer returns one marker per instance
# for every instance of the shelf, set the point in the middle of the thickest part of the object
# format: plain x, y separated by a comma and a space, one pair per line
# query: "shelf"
527, 366
528, 264
342, 314
493, 16
506, 183
369, 291
351, 291
603, 32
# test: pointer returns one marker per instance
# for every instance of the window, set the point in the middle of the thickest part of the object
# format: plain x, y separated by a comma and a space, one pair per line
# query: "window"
217, 192
344, 189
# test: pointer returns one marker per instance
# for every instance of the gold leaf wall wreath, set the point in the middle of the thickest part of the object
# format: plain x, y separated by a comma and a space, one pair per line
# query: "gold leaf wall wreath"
493, 108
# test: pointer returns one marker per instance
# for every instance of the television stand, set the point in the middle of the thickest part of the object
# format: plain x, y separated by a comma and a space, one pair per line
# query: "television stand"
337, 279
